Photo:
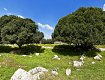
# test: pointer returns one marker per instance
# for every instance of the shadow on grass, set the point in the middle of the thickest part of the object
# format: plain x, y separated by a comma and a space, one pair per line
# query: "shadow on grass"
5, 49
28, 49
74, 50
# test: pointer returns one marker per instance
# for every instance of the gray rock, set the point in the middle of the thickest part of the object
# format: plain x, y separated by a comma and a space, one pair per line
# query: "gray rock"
21, 74
82, 58
77, 63
34, 74
37, 70
68, 72
54, 72
24, 55
56, 57
93, 62
102, 49
37, 54
98, 57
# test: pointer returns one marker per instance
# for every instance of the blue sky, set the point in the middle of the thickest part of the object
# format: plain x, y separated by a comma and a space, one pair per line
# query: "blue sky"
45, 13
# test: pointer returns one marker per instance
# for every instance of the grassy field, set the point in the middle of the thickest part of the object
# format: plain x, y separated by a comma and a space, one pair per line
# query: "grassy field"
11, 59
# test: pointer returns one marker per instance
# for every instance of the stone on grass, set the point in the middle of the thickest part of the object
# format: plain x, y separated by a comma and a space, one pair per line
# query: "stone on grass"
37, 70
102, 49
21, 74
37, 54
24, 55
56, 57
54, 72
93, 62
77, 63
39, 75
98, 57
68, 72
34, 74
82, 58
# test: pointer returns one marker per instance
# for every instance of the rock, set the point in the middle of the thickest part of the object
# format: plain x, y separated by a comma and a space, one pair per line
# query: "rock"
82, 58
38, 76
68, 72
37, 54
98, 57
21, 74
93, 62
77, 63
33, 74
54, 72
24, 55
102, 49
37, 70
56, 57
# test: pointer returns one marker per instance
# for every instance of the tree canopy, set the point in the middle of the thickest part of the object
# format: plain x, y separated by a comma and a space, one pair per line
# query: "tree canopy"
16, 30
85, 26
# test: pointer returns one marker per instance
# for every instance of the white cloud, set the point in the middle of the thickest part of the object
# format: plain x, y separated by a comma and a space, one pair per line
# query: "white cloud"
46, 26
20, 16
104, 7
5, 9
46, 36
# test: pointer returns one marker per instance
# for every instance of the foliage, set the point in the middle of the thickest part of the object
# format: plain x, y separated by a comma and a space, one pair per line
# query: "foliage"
16, 30
47, 41
4, 20
85, 27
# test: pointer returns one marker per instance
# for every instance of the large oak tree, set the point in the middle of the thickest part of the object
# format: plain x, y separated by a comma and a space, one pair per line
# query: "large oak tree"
85, 26
16, 30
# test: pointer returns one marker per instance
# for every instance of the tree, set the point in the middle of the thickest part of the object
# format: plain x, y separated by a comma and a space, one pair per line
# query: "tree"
47, 41
4, 20
20, 31
38, 37
85, 27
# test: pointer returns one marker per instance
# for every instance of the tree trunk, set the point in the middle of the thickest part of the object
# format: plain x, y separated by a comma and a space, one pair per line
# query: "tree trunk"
20, 46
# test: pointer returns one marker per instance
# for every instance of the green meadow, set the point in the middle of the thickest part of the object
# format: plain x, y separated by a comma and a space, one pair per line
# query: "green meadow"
11, 59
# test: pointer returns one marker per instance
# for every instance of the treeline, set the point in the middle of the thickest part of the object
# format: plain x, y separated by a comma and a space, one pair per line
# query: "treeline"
84, 27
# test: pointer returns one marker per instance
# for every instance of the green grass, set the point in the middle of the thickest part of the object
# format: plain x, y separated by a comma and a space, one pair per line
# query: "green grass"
100, 46
10, 62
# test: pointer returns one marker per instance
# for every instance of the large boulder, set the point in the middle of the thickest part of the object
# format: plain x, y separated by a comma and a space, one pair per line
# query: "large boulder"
37, 70
21, 74
33, 74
